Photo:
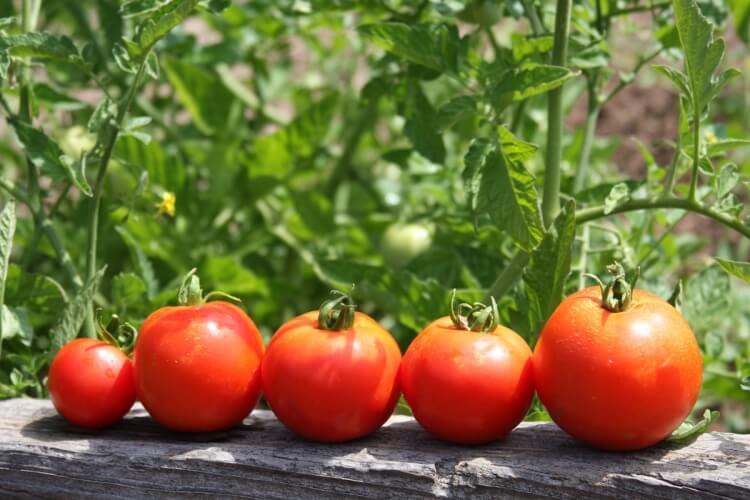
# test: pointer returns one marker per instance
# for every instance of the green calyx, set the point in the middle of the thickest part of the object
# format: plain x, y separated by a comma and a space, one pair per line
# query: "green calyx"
118, 333
336, 313
617, 295
191, 293
476, 317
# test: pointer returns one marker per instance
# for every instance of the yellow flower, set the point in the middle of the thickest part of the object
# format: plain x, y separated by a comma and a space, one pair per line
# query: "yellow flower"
711, 137
167, 204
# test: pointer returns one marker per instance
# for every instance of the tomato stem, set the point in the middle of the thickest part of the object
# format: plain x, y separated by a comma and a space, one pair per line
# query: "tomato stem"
117, 333
617, 295
337, 313
476, 317
190, 293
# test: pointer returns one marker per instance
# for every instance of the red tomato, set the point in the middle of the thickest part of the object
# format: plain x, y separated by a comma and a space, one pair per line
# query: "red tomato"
468, 387
198, 367
329, 384
617, 380
91, 383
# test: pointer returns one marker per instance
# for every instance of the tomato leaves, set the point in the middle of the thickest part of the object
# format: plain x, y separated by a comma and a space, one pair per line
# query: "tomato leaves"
498, 185
688, 431
74, 314
7, 230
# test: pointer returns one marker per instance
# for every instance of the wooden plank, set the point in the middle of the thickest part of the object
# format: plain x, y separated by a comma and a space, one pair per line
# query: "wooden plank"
43, 456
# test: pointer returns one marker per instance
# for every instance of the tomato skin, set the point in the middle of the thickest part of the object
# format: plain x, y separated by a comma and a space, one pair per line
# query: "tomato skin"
467, 387
331, 386
91, 383
198, 367
617, 381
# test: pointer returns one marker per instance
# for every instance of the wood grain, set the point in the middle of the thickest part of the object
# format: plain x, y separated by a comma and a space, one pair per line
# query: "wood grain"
41, 455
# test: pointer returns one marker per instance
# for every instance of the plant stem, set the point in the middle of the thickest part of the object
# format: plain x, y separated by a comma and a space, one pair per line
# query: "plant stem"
696, 152
639, 8
508, 277
672, 174
592, 115
593, 213
99, 186
536, 24
551, 200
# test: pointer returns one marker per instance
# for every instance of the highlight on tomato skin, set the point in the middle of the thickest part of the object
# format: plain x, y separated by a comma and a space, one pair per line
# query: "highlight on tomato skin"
91, 383
332, 375
198, 363
468, 382
617, 373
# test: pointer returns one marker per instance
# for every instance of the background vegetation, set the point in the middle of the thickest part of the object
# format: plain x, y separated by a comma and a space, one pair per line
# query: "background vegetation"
284, 147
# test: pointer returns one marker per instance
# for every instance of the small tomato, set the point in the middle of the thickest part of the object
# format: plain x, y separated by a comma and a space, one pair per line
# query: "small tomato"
403, 242
91, 383
467, 379
616, 367
332, 375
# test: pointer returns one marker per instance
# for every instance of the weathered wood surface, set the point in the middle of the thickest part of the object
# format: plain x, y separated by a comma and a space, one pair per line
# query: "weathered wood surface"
43, 456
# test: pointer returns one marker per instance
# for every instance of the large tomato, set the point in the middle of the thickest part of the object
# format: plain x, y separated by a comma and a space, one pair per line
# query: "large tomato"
467, 379
198, 364
91, 383
616, 369
332, 375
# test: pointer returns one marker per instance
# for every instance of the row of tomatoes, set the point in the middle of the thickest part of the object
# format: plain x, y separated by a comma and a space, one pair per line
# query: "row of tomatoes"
617, 368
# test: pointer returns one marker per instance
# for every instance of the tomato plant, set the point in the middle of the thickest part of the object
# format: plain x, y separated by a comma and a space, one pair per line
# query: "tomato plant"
617, 367
91, 383
466, 378
332, 375
273, 143
198, 363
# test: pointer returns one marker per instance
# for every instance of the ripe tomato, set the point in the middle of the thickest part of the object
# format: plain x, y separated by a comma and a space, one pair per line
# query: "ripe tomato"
617, 370
403, 242
332, 375
91, 383
467, 379
198, 364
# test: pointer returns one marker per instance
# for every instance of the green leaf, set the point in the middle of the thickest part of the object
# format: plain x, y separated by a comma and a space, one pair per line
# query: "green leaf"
523, 47
738, 269
128, 290
134, 8
236, 87
47, 156
507, 192
158, 24
421, 127
435, 46
316, 212
514, 148
688, 431
728, 177
745, 383
455, 110
707, 297
141, 262
531, 79
549, 267
202, 94
722, 146
16, 323
40, 45
619, 194
7, 230
474, 162
228, 275
703, 53
677, 77
34, 292
75, 313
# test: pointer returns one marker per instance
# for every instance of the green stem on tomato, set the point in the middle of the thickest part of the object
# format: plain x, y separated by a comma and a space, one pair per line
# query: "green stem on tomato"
551, 199
122, 111
696, 153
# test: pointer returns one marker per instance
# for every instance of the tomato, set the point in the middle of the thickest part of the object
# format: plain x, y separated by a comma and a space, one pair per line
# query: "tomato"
91, 383
617, 369
403, 242
198, 364
464, 385
485, 13
334, 379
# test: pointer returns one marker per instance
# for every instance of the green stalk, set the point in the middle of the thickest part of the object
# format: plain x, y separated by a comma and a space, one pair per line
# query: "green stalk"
696, 152
593, 213
508, 277
592, 116
551, 199
99, 188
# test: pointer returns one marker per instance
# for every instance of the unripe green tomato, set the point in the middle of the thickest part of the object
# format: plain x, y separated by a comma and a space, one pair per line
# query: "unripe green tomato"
76, 140
485, 13
119, 183
403, 242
